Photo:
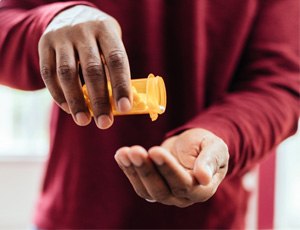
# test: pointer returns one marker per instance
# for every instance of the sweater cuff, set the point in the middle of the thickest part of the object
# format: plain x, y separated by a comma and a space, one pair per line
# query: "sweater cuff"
48, 12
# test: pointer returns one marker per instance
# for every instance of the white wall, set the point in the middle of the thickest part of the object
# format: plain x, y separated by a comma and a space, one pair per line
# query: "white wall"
19, 185
287, 205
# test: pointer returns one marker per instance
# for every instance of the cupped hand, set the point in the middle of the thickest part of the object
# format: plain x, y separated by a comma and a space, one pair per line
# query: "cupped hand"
185, 169
86, 37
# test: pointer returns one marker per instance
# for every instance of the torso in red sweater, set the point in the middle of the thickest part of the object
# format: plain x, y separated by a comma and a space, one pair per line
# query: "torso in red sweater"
229, 66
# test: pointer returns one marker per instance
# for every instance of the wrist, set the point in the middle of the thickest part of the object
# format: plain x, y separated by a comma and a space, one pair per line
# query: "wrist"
76, 15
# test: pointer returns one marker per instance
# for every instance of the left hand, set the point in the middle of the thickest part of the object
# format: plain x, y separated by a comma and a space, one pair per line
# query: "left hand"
185, 169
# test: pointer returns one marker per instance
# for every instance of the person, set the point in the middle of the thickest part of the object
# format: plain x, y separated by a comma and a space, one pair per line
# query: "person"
231, 70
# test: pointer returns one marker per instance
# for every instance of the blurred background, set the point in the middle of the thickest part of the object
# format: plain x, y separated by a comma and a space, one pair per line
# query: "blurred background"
24, 134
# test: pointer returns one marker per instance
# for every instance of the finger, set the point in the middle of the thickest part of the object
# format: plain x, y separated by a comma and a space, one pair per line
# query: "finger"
178, 179
96, 82
149, 176
68, 77
48, 73
212, 159
202, 193
185, 186
124, 163
118, 65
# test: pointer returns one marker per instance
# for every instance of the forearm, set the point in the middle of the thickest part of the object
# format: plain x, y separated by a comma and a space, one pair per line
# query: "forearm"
250, 125
21, 30
261, 107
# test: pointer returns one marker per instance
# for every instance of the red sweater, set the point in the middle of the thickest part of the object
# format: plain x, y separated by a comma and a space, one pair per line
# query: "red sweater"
231, 67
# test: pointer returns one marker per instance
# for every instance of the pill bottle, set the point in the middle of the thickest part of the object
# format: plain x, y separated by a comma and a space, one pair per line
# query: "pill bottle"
149, 97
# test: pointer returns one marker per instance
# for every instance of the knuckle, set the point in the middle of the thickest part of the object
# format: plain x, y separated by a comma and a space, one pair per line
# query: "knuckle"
44, 40
116, 59
167, 172
100, 103
107, 22
131, 172
145, 172
93, 70
66, 72
120, 86
46, 73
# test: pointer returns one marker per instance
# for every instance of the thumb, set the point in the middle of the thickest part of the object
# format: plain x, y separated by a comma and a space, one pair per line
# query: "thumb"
212, 159
204, 169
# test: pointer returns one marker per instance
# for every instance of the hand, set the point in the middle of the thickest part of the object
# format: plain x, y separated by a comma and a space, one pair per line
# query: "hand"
89, 37
184, 170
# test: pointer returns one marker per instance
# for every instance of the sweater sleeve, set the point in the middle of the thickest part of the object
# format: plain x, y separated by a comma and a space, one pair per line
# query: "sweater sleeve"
22, 24
262, 107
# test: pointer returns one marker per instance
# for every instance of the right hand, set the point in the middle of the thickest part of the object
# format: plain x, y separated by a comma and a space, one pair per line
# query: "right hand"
88, 36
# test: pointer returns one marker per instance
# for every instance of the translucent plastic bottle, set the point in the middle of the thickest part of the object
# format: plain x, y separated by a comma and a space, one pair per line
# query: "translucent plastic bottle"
149, 97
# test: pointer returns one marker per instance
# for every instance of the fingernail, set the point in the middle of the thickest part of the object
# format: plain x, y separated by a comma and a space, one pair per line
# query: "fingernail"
137, 160
124, 105
157, 160
65, 107
104, 122
82, 118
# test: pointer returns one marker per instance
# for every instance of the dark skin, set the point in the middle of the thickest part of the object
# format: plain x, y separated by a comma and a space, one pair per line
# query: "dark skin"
94, 44
185, 169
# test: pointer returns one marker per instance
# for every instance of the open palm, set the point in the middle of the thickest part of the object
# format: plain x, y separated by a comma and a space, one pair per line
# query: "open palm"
185, 169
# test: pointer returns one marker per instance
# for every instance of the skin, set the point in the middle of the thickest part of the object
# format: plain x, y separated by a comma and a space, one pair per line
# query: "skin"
92, 38
185, 169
